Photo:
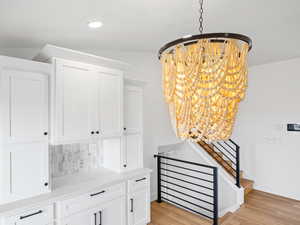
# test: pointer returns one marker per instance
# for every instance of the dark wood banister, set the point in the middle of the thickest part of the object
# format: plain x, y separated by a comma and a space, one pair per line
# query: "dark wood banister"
232, 154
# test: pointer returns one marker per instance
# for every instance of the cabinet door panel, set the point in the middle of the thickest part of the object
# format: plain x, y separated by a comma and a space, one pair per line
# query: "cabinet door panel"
133, 109
110, 104
85, 218
76, 104
27, 170
133, 155
114, 213
111, 151
75, 92
140, 204
27, 104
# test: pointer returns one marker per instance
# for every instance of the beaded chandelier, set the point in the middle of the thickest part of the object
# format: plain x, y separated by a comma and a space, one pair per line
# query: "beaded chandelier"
204, 79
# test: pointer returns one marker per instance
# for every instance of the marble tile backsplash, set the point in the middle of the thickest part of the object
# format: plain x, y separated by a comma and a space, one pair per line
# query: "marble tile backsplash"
72, 158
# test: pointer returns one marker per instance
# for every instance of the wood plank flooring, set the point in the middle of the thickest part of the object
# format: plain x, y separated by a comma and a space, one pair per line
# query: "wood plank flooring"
259, 209
166, 214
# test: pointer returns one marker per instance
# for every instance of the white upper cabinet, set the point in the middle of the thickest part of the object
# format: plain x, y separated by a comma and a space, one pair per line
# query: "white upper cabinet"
133, 135
110, 104
87, 103
24, 129
25, 106
133, 149
125, 153
74, 102
133, 107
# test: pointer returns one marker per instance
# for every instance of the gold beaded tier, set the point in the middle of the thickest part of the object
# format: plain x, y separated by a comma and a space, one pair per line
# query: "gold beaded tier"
203, 83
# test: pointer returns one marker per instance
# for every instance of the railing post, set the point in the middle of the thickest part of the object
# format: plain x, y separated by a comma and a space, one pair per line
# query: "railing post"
158, 180
216, 207
238, 166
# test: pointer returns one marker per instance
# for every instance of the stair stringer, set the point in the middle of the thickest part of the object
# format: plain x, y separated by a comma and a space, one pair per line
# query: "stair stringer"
228, 181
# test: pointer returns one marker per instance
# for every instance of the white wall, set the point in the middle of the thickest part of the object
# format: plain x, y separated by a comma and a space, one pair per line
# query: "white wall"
146, 67
270, 154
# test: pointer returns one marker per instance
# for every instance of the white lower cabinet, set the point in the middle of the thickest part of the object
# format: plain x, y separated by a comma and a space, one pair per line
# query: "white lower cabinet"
84, 218
139, 201
111, 213
139, 210
101, 206
38, 216
124, 203
114, 213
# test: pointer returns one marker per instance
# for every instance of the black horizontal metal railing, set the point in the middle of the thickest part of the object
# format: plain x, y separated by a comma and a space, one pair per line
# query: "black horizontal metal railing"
229, 153
189, 185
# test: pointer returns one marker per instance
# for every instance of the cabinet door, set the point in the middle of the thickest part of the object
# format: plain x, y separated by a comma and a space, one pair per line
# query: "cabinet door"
133, 106
85, 218
111, 153
26, 167
26, 98
139, 207
114, 213
110, 104
133, 151
133, 109
75, 102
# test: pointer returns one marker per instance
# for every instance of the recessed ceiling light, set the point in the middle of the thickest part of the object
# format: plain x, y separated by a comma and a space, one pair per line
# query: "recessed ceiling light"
95, 24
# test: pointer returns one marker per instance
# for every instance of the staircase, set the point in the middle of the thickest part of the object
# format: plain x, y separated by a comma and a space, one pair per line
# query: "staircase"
227, 154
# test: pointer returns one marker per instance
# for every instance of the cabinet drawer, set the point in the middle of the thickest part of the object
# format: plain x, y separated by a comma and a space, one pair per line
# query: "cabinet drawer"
138, 182
40, 216
74, 205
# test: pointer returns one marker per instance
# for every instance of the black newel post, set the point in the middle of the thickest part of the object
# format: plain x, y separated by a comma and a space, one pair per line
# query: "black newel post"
216, 215
158, 180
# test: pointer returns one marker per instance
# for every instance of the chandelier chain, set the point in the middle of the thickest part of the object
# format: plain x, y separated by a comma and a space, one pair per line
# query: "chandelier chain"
201, 17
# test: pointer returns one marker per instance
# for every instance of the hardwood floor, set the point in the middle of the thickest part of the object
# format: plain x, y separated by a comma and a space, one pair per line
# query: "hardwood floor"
166, 214
259, 209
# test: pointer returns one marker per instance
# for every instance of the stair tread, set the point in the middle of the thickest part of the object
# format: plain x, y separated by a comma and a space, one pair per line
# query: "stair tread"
228, 166
218, 157
247, 183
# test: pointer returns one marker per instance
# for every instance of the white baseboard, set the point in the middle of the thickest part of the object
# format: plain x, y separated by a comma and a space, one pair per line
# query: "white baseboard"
229, 209
267, 190
153, 196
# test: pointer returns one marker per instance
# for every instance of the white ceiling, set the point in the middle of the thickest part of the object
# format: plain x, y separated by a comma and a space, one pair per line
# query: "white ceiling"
145, 25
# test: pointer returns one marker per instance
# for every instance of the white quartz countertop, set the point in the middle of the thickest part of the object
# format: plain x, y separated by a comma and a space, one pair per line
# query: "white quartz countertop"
72, 185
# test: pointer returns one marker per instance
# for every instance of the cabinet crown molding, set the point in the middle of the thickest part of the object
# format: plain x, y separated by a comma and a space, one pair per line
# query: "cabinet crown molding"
51, 51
